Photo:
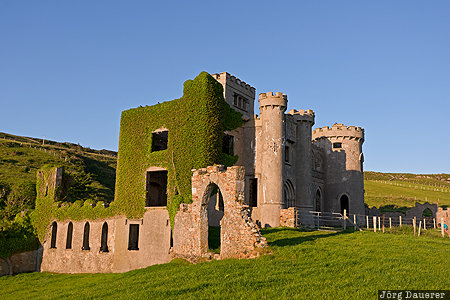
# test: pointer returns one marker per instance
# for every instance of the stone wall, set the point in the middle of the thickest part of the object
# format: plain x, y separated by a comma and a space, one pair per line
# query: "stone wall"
240, 236
288, 217
443, 213
416, 211
21, 262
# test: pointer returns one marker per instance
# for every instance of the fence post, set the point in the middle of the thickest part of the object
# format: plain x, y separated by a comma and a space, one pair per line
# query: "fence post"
375, 224
434, 223
383, 223
424, 226
379, 223
414, 225
345, 219
442, 227
354, 221
367, 221
390, 223
400, 220
420, 225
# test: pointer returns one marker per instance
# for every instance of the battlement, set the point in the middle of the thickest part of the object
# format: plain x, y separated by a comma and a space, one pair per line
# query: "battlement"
224, 76
338, 130
302, 115
272, 95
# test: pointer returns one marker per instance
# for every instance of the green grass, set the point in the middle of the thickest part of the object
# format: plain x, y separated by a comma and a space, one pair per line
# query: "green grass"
304, 265
401, 194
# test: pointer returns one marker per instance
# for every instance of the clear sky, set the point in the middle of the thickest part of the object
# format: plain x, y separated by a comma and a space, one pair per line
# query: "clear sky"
68, 68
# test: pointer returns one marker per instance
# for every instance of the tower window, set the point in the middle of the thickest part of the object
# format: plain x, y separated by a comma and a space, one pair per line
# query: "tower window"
337, 145
104, 238
133, 237
159, 140
86, 237
69, 236
286, 154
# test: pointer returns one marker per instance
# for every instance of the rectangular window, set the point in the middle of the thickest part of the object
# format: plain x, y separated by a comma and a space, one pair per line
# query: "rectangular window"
337, 145
133, 237
253, 192
156, 188
286, 154
159, 140
228, 144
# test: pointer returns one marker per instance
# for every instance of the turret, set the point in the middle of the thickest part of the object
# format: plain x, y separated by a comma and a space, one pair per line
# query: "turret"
272, 107
342, 146
303, 153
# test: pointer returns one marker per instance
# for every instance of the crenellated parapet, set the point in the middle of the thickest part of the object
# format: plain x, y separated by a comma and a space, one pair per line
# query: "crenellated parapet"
271, 100
226, 77
303, 115
339, 131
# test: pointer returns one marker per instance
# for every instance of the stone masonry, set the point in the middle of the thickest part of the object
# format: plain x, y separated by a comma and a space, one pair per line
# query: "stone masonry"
240, 236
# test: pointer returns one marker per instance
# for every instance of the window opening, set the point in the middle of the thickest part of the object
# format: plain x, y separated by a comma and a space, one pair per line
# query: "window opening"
286, 153
86, 237
54, 230
337, 145
344, 204
69, 236
104, 239
133, 237
160, 140
156, 188
228, 144
253, 192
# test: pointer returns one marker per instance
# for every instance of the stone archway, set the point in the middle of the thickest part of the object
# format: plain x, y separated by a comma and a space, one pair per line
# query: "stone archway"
239, 234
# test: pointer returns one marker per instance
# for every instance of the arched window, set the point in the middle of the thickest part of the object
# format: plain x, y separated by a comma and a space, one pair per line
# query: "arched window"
69, 236
86, 237
318, 200
288, 194
344, 204
54, 230
104, 241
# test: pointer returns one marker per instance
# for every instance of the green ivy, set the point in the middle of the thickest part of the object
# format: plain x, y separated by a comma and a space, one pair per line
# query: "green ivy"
196, 123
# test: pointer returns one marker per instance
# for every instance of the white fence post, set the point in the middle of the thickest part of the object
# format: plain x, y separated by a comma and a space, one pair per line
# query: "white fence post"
345, 219
375, 225
414, 225
420, 225
400, 220
434, 223
367, 221
390, 223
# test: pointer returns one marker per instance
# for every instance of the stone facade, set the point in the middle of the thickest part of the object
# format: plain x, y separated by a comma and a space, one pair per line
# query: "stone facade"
287, 164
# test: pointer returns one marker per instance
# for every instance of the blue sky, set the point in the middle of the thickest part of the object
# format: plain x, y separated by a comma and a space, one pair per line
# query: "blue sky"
68, 68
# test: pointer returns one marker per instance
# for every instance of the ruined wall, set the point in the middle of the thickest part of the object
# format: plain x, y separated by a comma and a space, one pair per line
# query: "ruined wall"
239, 235
29, 261
288, 217
153, 242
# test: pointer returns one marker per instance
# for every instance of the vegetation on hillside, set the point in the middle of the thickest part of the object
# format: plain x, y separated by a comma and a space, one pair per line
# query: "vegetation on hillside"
306, 265
90, 174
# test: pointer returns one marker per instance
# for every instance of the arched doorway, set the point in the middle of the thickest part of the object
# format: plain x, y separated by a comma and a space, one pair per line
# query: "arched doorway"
344, 204
318, 200
215, 211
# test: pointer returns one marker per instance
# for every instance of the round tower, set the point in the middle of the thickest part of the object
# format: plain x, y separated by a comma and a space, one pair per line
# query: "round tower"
272, 108
344, 180
303, 158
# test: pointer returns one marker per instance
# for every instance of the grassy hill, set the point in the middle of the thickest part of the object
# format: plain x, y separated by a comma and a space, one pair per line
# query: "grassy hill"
402, 190
302, 265
90, 174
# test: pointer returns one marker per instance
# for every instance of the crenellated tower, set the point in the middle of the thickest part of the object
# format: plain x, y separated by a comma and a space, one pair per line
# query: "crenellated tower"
342, 146
303, 157
272, 107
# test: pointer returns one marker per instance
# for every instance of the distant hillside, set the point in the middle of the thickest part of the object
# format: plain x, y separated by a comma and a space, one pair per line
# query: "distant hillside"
21, 157
399, 191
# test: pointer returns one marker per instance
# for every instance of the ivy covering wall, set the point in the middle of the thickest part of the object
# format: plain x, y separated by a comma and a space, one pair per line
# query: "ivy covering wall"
196, 123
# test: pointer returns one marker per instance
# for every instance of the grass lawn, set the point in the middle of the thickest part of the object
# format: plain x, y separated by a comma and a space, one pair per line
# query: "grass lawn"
306, 265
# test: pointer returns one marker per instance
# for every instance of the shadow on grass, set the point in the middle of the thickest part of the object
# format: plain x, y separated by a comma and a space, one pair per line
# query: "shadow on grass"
300, 239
